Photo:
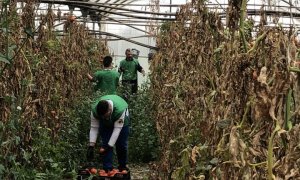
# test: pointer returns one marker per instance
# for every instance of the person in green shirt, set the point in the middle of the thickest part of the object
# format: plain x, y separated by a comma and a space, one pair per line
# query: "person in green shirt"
107, 80
110, 117
129, 68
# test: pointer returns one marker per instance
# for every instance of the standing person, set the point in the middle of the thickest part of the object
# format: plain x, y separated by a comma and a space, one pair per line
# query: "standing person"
107, 80
110, 116
129, 68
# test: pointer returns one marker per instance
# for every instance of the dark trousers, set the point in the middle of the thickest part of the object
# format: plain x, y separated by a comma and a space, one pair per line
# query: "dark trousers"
121, 147
130, 85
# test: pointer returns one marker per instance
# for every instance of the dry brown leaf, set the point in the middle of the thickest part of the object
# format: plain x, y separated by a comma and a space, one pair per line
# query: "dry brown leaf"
195, 153
262, 78
233, 144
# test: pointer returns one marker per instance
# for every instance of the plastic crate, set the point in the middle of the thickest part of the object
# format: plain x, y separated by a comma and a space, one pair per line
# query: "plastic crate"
85, 174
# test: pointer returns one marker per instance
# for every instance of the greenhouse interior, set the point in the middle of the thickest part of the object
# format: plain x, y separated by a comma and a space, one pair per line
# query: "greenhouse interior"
159, 89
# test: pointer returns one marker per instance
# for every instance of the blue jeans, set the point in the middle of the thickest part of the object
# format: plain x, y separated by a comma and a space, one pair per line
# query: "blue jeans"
121, 147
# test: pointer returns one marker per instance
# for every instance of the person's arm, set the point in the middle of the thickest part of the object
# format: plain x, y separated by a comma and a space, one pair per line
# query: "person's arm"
94, 130
140, 69
95, 77
143, 72
89, 77
121, 69
117, 78
92, 139
118, 125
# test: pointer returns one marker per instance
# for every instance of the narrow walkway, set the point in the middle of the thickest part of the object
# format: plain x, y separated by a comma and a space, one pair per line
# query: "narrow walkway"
139, 171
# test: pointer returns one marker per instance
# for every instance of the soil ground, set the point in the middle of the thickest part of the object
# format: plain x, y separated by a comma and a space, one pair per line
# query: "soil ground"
139, 171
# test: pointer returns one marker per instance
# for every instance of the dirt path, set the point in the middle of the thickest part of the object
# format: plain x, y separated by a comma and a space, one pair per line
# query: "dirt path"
139, 171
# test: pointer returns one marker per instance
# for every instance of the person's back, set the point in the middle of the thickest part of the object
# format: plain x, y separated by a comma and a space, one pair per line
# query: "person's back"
107, 80
110, 119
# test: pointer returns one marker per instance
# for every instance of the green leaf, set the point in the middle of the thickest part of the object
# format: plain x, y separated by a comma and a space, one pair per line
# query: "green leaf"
29, 32
289, 125
40, 175
214, 161
27, 156
11, 51
4, 59
5, 30
224, 123
2, 169
220, 48
185, 156
208, 167
17, 140
9, 99
12, 47
5, 2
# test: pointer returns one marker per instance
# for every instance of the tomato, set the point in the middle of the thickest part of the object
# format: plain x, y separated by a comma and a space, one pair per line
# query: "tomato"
93, 171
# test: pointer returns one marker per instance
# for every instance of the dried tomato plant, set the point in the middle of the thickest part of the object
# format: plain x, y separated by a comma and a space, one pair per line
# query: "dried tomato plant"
223, 112
42, 73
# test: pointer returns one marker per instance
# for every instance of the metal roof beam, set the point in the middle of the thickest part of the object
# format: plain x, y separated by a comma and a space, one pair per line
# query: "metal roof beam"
88, 4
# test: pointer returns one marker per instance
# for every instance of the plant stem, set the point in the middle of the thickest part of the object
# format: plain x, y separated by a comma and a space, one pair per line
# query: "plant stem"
288, 110
260, 38
5, 66
294, 69
245, 113
270, 153
241, 29
257, 164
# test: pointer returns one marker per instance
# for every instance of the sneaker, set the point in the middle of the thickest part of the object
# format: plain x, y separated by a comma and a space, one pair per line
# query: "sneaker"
123, 170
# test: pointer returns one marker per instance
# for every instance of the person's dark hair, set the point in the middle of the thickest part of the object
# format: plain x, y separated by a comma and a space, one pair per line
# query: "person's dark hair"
102, 107
107, 61
127, 50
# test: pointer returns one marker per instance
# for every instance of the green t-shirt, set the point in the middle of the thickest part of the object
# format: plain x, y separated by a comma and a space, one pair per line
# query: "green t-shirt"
129, 69
119, 106
106, 81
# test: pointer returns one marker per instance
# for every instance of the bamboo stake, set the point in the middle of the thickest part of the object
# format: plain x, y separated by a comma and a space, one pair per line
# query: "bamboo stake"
241, 29
288, 124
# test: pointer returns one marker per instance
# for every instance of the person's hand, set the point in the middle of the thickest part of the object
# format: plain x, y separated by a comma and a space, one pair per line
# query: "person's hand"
89, 76
143, 72
121, 70
104, 150
90, 153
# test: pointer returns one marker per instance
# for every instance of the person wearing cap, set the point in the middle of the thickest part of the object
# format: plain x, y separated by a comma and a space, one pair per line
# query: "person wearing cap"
110, 117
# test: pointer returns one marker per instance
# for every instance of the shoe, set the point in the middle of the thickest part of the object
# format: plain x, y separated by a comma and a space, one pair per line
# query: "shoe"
123, 170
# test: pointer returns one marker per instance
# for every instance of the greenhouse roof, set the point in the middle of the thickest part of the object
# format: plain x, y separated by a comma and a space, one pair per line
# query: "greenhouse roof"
141, 14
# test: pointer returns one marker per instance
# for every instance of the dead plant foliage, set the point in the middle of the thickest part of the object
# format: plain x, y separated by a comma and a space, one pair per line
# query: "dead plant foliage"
208, 93
46, 75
